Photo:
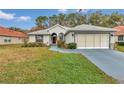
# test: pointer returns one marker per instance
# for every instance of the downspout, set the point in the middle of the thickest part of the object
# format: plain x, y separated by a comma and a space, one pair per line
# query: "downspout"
74, 37
109, 40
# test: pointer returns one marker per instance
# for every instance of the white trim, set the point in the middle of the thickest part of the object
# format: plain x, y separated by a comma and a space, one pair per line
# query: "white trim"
92, 47
120, 40
56, 26
46, 31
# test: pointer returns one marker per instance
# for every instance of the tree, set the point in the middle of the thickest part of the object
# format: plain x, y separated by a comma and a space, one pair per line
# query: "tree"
61, 19
37, 28
116, 19
74, 19
81, 19
17, 29
96, 18
71, 20
42, 21
53, 20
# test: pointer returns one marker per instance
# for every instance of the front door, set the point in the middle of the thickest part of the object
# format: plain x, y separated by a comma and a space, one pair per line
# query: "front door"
54, 40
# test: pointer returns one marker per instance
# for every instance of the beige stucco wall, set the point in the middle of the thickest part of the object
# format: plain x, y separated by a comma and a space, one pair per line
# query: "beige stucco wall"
14, 40
32, 38
114, 39
46, 39
69, 38
1, 40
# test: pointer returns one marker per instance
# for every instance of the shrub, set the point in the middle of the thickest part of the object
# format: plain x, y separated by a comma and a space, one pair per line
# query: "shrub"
61, 44
120, 43
39, 44
44, 45
30, 44
72, 45
34, 45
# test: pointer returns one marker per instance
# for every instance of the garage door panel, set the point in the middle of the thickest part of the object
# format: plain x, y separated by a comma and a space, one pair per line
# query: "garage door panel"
81, 40
105, 40
89, 40
93, 40
97, 41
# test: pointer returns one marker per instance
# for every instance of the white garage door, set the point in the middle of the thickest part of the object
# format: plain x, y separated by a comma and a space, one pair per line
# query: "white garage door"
92, 40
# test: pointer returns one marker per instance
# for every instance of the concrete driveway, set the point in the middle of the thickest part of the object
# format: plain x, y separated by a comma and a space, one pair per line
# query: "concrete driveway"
109, 61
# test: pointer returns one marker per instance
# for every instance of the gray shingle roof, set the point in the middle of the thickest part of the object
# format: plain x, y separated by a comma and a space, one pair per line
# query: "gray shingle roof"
85, 27
39, 32
82, 27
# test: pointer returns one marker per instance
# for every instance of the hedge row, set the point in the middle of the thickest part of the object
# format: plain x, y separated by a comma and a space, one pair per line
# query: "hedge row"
34, 45
120, 43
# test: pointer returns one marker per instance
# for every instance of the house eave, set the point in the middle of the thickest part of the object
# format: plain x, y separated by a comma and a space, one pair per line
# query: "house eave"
92, 30
81, 31
38, 34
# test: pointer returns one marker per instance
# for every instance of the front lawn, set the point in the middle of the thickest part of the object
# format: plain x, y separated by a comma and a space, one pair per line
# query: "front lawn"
120, 48
39, 65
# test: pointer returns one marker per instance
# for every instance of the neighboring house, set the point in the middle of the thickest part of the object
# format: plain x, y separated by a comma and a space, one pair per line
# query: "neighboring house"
85, 36
119, 35
8, 36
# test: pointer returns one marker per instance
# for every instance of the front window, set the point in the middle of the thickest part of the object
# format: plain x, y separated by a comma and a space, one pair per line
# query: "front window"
120, 38
61, 36
39, 38
7, 40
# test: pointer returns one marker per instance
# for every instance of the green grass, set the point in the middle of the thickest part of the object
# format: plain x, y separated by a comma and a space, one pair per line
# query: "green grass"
120, 48
39, 65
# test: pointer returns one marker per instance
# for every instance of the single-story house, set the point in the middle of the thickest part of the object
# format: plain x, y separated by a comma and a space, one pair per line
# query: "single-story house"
85, 36
119, 35
8, 36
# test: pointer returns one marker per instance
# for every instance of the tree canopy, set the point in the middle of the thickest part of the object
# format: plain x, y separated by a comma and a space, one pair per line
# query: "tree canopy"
74, 19
17, 29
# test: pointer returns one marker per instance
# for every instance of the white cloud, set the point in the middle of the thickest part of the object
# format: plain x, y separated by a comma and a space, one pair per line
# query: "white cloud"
6, 16
62, 10
73, 11
12, 16
82, 10
23, 18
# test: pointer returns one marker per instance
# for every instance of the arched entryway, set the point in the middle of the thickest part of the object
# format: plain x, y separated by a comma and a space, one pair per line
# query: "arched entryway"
54, 38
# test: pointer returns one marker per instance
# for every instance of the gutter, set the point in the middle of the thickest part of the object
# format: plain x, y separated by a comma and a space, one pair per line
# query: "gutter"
88, 31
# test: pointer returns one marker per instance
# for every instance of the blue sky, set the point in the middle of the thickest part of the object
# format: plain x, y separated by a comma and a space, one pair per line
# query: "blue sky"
25, 18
